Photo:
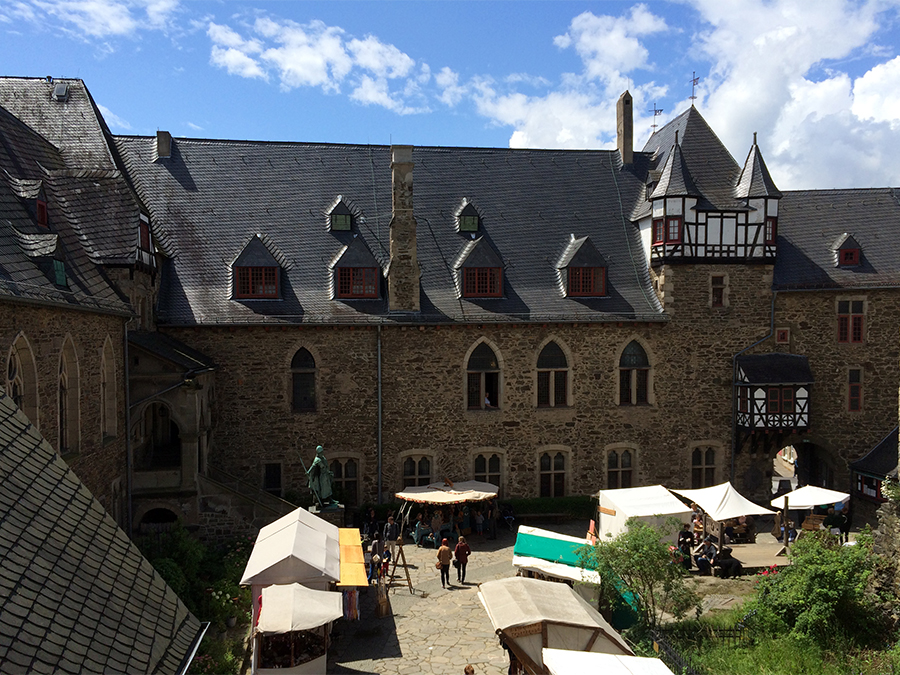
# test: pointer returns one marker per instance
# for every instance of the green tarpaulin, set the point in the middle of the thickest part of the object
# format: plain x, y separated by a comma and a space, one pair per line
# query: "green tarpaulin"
545, 548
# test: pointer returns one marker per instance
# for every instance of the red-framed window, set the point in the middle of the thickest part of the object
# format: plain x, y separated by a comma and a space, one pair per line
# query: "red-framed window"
743, 399
357, 282
848, 256
587, 281
482, 282
145, 235
42, 218
851, 321
257, 282
771, 229
780, 400
854, 390
783, 336
673, 230
659, 231
866, 486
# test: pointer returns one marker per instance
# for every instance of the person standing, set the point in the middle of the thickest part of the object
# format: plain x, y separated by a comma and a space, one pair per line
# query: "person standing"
444, 556
462, 553
493, 515
377, 554
391, 534
686, 545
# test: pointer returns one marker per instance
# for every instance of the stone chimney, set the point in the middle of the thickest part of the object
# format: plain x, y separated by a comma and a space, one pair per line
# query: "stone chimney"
403, 276
625, 128
163, 144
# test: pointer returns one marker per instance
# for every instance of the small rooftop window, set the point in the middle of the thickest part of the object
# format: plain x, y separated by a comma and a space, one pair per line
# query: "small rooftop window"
468, 218
341, 218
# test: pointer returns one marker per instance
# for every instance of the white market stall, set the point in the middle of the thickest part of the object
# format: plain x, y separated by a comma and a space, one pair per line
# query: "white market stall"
720, 503
529, 614
549, 555
652, 503
567, 662
445, 493
809, 497
292, 634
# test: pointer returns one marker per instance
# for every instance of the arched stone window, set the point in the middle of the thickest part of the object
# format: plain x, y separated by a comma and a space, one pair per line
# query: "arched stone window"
21, 378
552, 377
417, 470
483, 379
488, 468
703, 466
619, 468
68, 400
552, 470
346, 472
303, 377
634, 375
108, 412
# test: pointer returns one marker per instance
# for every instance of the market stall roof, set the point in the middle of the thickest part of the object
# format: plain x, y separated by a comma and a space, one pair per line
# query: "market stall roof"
449, 493
568, 662
722, 502
530, 613
353, 565
292, 607
298, 547
809, 496
648, 502
551, 553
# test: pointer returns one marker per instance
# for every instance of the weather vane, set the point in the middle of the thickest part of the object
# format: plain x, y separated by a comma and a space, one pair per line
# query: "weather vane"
656, 113
694, 82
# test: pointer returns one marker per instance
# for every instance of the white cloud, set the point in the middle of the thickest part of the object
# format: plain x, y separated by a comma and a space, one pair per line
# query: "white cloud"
94, 18
876, 95
195, 127
114, 122
451, 93
236, 62
381, 59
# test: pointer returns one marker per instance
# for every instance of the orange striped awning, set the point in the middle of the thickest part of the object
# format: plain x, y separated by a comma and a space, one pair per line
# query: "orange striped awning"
353, 566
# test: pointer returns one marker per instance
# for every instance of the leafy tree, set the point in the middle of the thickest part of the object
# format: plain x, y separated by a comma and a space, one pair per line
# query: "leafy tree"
639, 560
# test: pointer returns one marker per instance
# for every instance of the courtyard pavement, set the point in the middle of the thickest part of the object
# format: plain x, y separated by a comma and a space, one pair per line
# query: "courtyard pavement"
433, 630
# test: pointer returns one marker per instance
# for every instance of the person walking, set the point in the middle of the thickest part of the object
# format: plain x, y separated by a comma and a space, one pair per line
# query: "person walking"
377, 554
391, 534
470, 669
462, 553
444, 556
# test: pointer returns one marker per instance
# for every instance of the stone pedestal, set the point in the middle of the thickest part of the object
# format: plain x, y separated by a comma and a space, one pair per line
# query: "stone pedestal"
332, 514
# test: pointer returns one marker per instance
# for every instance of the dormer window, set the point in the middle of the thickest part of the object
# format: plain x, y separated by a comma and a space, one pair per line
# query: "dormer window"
341, 218
848, 257
59, 273
357, 282
256, 282
482, 282
468, 218
42, 219
144, 228
587, 281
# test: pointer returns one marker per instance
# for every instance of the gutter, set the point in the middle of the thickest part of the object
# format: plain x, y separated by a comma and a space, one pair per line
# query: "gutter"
192, 650
734, 382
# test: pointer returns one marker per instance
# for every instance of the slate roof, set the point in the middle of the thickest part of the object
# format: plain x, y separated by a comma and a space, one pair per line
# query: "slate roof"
775, 369
171, 349
880, 461
755, 180
76, 210
675, 180
809, 223
210, 197
76, 596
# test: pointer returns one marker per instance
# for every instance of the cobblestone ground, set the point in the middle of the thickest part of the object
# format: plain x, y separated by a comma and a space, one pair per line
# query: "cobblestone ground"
433, 630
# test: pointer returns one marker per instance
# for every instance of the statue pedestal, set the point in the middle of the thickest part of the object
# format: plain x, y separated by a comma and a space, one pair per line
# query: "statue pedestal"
333, 514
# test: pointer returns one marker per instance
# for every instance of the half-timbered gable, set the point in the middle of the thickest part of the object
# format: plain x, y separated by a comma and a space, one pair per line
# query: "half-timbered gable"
772, 392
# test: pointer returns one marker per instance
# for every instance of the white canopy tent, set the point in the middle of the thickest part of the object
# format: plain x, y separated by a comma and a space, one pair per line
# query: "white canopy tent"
444, 493
529, 613
567, 662
652, 503
810, 496
721, 502
292, 607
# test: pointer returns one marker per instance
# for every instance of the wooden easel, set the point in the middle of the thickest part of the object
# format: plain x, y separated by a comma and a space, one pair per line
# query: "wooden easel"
400, 555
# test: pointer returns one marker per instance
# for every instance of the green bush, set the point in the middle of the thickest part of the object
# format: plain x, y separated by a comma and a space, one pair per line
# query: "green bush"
217, 657
173, 575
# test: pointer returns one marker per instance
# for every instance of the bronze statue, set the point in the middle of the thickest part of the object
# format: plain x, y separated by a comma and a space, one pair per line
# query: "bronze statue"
321, 479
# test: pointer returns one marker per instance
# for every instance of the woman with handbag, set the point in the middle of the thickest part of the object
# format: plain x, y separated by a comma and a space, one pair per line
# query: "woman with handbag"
462, 553
444, 555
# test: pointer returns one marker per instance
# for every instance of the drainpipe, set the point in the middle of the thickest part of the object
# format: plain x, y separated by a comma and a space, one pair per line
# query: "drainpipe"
734, 382
379, 449
128, 460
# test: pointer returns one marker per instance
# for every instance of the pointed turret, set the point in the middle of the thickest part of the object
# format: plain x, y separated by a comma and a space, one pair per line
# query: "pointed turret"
675, 180
755, 180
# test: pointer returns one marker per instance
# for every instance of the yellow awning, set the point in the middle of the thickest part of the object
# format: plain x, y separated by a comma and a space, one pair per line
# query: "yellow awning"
353, 566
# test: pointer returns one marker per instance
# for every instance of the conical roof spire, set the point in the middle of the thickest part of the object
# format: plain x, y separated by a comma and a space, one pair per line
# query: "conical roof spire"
755, 180
676, 180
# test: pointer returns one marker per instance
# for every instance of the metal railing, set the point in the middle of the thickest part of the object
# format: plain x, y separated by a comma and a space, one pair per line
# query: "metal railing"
250, 492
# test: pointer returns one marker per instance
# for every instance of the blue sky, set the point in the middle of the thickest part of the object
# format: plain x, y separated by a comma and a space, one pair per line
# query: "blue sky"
821, 87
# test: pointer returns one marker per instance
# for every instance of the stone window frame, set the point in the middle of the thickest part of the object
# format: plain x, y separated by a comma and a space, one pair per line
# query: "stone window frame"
26, 374
619, 448
417, 455
846, 321
108, 393
487, 451
360, 459
294, 371
651, 374
855, 389
724, 287
552, 451
704, 466
68, 399
496, 405
536, 373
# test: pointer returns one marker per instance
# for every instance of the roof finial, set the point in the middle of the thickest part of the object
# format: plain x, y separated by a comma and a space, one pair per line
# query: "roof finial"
754, 138
695, 80
656, 113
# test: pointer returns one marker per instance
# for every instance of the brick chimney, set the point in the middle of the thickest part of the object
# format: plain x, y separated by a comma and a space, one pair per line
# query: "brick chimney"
625, 128
403, 276
163, 144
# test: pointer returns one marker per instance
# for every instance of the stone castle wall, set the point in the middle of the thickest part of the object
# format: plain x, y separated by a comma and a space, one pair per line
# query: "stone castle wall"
99, 462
